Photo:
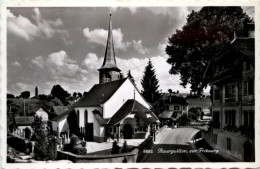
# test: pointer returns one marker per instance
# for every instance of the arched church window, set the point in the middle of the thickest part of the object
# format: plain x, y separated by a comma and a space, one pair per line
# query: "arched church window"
86, 116
78, 116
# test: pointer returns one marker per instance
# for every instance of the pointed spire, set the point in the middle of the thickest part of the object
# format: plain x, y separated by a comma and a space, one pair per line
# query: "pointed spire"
110, 59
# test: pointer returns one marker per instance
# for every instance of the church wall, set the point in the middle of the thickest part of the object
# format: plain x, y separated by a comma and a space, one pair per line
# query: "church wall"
125, 92
90, 114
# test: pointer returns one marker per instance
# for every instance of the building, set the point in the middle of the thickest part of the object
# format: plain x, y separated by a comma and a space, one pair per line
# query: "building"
201, 103
174, 107
231, 73
113, 108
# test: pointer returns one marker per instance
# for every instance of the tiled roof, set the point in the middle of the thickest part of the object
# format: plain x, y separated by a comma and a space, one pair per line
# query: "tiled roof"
246, 46
24, 120
99, 94
59, 109
166, 114
63, 115
130, 106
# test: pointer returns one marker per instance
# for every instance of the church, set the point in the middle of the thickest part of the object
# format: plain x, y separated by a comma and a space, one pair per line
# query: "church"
113, 108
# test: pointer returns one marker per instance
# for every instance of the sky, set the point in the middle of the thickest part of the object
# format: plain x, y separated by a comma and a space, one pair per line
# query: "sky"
66, 45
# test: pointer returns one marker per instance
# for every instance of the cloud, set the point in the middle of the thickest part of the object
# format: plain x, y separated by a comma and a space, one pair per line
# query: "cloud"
61, 67
92, 62
23, 27
137, 45
99, 36
16, 64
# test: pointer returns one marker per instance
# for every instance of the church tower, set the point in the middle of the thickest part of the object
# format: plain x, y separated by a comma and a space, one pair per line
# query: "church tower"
109, 70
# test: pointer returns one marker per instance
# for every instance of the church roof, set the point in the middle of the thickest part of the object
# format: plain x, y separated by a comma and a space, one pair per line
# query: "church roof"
63, 115
99, 94
130, 106
110, 58
59, 109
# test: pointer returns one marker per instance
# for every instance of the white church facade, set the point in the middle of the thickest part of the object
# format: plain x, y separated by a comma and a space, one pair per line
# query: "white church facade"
113, 108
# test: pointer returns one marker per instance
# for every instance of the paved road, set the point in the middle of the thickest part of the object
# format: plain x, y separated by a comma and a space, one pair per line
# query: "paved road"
173, 147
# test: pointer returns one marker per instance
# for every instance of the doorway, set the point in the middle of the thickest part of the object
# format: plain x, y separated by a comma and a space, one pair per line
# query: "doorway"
128, 131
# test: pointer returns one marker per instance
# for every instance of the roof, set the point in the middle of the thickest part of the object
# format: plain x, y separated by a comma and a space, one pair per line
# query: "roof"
245, 46
24, 120
72, 102
100, 119
63, 115
59, 109
130, 106
166, 114
99, 94
35, 109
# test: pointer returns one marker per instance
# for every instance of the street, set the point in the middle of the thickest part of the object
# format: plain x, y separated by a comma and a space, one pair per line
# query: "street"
173, 147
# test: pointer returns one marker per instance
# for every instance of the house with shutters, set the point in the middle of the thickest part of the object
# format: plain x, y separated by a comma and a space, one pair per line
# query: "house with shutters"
113, 108
231, 73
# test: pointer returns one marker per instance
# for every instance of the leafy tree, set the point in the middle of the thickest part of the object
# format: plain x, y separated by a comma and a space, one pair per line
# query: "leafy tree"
10, 96
74, 94
205, 32
80, 95
150, 85
60, 93
25, 95
41, 140
194, 113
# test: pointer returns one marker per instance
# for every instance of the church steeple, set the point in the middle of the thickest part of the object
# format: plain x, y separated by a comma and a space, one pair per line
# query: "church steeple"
109, 70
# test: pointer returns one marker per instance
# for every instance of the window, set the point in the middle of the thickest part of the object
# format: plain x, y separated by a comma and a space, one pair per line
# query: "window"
217, 94
215, 119
176, 107
229, 144
249, 119
86, 116
230, 92
230, 117
249, 87
78, 116
215, 139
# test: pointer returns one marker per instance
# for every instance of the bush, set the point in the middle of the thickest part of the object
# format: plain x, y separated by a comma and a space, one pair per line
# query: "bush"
74, 140
83, 143
115, 148
80, 150
67, 147
125, 148
27, 132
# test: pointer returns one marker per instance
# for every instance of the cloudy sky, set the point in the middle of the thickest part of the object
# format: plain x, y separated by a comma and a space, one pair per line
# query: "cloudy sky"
66, 46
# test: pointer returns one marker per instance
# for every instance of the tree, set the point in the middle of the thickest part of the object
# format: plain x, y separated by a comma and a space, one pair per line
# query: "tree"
60, 93
10, 96
25, 95
80, 95
41, 140
205, 32
150, 85
75, 94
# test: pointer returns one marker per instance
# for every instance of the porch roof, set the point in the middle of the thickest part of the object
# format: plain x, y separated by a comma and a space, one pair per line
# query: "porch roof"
130, 106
